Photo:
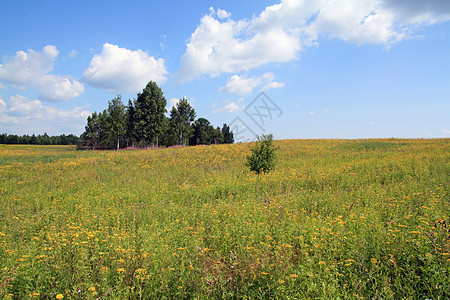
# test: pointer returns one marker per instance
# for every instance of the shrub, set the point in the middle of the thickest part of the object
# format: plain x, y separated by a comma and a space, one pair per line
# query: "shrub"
263, 157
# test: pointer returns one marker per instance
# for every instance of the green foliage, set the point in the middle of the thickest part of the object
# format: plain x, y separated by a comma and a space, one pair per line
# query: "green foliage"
116, 119
263, 157
182, 117
143, 123
150, 113
228, 136
44, 139
205, 133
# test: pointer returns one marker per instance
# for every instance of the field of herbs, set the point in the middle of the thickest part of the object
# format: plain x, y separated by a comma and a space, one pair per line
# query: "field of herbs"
349, 219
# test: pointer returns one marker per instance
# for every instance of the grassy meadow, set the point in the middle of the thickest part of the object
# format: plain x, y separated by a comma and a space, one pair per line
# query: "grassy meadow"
349, 219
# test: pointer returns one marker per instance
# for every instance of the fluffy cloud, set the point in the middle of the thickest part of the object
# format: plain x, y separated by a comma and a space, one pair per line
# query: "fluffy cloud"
220, 44
222, 14
122, 70
23, 114
30, 70
174, 101
230, 107
273, 85
241, 86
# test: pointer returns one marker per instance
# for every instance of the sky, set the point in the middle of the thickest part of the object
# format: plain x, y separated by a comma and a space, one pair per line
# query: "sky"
292, 68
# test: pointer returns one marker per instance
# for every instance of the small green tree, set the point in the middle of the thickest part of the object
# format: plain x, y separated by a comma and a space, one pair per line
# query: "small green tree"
182, 117
263, 157
116, 120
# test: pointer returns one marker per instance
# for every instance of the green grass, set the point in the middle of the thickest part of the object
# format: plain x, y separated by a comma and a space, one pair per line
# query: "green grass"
335, 219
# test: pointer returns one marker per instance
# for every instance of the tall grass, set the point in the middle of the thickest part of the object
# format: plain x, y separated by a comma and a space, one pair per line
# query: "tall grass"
335, 219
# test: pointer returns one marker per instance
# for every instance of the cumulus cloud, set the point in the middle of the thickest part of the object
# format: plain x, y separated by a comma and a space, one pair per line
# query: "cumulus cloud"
174, 101
222, 45
241, 86
121, 70
30, 70
273, 85
21, 114
230, 107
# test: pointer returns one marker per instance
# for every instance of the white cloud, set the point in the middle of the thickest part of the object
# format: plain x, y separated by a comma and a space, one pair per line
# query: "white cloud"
241, 86
273, 85
223, 45
446, 131
59, 88
357, 21
311, 113
296, 105
2, 106
122, 70
174, 101
73, 53
24, 116
218, 46
230, 107
20, 106
221, 14
30, 70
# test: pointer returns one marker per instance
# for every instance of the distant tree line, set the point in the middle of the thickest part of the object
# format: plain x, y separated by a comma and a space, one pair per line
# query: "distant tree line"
44, 139
143, 122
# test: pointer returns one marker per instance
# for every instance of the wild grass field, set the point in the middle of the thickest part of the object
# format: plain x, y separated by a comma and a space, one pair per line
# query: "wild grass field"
348, 219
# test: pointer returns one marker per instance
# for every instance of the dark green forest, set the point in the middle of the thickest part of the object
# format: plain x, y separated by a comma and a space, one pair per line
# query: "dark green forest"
44, 139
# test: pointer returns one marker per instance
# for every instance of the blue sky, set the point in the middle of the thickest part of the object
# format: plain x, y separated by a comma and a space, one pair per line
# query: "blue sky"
328, 69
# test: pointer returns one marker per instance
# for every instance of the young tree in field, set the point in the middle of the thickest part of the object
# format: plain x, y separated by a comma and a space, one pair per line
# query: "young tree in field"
149, 114
228, 136
263, 157
116, 119
181, 118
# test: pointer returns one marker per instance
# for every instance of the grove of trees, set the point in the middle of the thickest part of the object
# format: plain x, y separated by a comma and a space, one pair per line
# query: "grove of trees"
143, 122
44, 139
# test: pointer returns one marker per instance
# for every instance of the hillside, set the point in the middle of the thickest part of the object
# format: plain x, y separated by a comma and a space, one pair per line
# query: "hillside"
337, 218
